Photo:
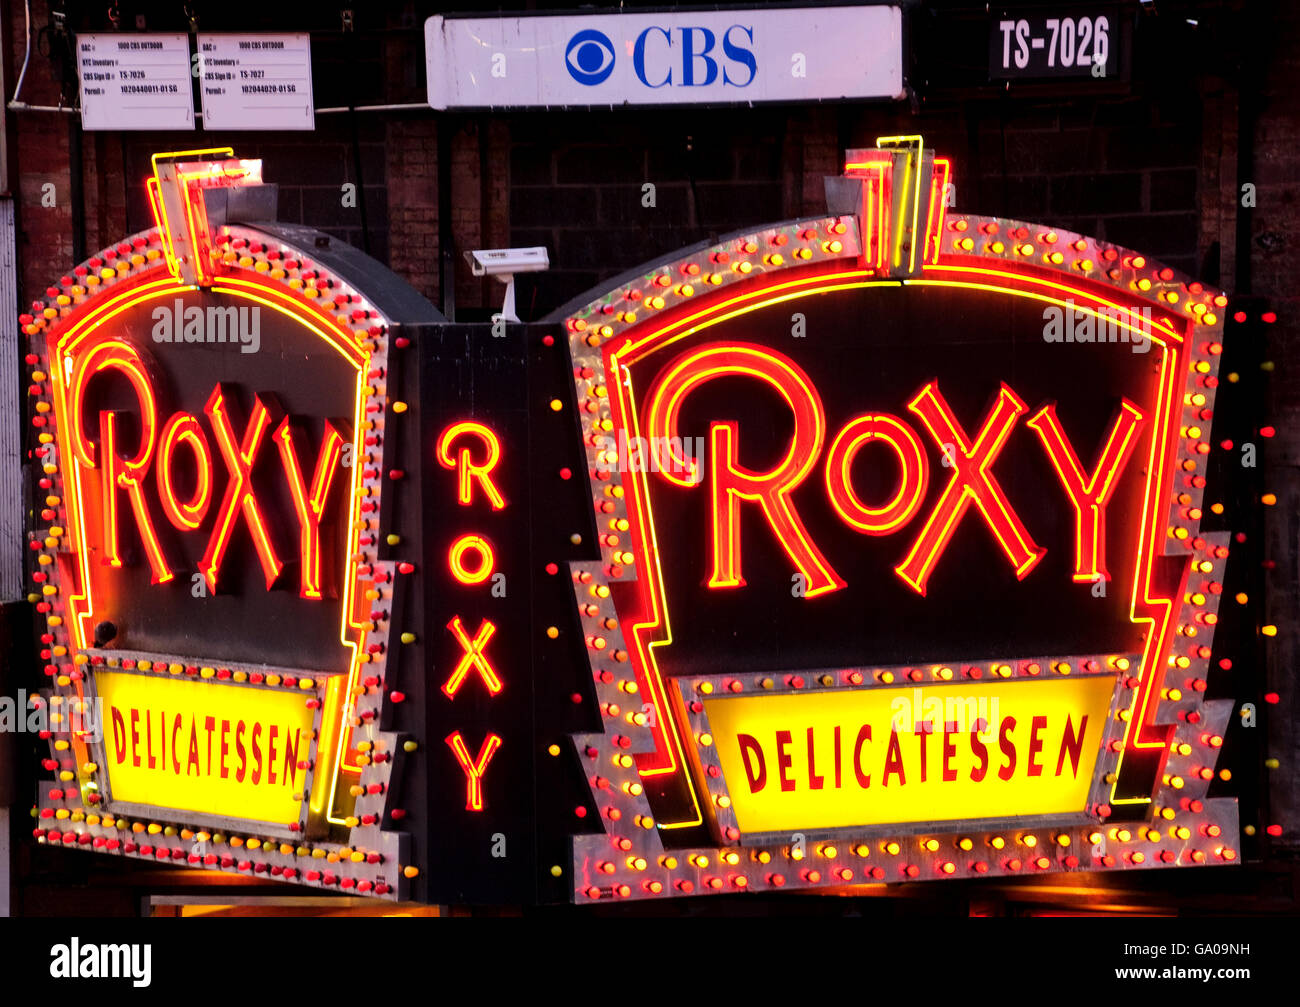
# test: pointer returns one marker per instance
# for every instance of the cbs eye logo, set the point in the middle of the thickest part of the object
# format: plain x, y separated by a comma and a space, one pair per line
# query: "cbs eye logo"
589, 57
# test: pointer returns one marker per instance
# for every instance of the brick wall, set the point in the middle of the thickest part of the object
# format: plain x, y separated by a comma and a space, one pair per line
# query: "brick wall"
310, 168
40, 158
1274, 246
577, 185
1122, 170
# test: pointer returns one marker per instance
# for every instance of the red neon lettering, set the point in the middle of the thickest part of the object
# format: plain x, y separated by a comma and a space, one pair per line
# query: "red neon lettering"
730, 482
913, 477
186, 515
240, 497
472, 657
971, 482
474, 768
1089, 493
467, 470
120, 473
310, 506
480, 547
124, 474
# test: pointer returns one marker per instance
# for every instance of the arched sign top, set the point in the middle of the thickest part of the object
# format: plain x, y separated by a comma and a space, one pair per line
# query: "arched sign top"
947, 457
211, 409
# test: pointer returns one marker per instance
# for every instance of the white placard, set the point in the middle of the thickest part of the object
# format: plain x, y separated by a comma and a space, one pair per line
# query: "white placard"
131, 81
256, 81
680, 57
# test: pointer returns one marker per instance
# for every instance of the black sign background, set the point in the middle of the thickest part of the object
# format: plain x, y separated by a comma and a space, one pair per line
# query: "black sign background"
530, 796
1044, 48
311, 384
871, 350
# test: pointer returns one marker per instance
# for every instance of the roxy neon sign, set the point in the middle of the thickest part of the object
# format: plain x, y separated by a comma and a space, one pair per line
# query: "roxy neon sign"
970, 457
161, 444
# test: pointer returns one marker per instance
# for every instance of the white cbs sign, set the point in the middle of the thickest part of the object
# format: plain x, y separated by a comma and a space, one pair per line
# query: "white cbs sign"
680, 57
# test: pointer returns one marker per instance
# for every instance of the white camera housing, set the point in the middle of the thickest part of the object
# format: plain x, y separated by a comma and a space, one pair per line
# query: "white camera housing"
503, 263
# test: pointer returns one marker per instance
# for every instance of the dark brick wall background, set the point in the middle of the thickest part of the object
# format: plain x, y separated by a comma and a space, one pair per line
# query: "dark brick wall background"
1130, 169
1122, 170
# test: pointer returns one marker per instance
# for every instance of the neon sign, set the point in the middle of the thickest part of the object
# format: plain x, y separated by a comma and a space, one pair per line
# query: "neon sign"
239, 452
824, 531
1021, 531
209, 545
970, 458
472, 473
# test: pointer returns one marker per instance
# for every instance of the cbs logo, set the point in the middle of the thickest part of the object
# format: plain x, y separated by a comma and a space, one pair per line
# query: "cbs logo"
589, 57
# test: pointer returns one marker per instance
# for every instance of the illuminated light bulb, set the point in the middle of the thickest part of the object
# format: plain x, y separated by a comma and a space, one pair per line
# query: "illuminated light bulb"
1268, 630
997, 842
828, 851
892, 848
930, 844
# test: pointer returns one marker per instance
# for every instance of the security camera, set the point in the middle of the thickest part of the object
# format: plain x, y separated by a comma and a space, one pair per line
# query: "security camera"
503, 263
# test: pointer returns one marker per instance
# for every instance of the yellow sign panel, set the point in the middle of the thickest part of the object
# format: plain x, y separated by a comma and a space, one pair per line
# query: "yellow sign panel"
828, 760
213, 749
